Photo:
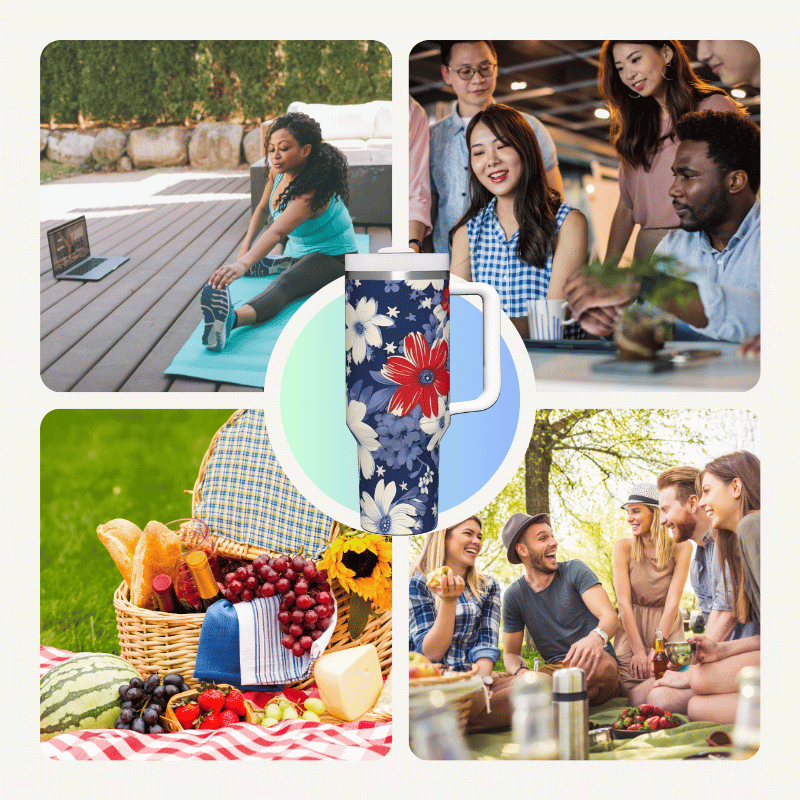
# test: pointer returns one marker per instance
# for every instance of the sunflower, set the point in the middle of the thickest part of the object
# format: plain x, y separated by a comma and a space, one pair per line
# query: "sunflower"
362, 563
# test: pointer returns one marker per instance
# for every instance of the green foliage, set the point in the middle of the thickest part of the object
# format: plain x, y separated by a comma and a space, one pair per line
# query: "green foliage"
669, 275
96, 466
59, 79
528, 653
169, 81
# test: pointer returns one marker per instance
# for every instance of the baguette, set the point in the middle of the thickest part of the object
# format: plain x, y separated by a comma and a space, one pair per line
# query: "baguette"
120, 538
158, 552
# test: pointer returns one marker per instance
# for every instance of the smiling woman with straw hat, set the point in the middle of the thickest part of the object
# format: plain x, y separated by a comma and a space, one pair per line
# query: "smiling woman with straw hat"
649, 575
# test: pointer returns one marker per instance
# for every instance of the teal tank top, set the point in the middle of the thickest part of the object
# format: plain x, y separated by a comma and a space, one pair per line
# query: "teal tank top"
331, 232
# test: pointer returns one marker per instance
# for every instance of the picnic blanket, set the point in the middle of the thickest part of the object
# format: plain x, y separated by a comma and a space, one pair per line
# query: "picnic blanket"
246, 355
677, 743
292, 741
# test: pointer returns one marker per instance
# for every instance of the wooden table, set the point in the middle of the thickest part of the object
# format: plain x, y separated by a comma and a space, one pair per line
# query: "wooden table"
122, 332
572, 370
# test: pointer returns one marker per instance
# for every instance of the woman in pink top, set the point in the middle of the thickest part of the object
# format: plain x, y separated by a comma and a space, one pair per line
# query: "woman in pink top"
649, 86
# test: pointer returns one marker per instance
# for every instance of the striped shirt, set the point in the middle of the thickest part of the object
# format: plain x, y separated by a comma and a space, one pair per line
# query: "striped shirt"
494, 260
477, 626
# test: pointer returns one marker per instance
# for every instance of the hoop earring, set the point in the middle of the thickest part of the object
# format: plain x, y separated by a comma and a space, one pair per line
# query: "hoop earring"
664, 70
634, 96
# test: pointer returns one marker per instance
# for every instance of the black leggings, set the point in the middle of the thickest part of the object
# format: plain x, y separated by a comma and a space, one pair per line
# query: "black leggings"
306, 276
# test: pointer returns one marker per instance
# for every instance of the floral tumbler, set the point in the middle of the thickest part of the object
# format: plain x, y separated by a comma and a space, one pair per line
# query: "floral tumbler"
397, 341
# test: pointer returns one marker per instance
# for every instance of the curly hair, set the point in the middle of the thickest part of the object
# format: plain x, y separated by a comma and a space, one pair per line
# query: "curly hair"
734, 142
636, 121
535, 202
325, 172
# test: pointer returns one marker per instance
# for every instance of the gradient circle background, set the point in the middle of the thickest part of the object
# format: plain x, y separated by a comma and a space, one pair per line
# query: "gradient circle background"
312, 409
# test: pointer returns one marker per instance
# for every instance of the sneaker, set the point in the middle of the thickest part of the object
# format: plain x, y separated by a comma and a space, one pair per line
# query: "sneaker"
217, 315
269, 266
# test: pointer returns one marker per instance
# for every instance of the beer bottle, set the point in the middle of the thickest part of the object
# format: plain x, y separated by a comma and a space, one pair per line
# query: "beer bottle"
660, 659
204, 579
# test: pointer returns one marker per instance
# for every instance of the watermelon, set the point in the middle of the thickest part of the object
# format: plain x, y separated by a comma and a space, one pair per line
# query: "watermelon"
82, 693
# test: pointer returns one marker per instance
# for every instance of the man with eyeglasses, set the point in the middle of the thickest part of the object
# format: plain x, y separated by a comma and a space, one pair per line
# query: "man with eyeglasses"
471, 69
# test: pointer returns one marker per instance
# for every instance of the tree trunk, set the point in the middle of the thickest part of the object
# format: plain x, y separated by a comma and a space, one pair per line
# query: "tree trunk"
538, 460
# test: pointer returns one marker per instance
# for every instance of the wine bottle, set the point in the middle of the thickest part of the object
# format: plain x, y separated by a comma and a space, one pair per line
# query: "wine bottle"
166, 599
660, 658
204, 579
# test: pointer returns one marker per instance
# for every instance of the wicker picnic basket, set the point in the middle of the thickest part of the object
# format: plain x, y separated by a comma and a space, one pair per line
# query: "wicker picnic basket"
461, 705
155, 642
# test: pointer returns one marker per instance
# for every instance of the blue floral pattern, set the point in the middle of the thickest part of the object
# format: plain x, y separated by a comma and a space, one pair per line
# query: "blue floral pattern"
397, 336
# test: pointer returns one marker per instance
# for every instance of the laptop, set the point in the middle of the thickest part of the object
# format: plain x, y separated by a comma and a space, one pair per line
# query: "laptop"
587, 345
71, 257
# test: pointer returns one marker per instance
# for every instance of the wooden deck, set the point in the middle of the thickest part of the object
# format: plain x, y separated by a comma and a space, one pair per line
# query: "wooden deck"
122, 332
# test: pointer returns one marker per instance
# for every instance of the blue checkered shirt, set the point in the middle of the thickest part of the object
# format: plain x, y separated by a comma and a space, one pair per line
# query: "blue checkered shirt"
477, 627
494, 260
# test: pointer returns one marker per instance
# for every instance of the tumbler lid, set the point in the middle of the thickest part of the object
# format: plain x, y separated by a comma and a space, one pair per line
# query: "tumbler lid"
396, 259
569, 681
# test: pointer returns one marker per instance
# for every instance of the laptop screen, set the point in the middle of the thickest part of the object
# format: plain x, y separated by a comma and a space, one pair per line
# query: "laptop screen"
69, 243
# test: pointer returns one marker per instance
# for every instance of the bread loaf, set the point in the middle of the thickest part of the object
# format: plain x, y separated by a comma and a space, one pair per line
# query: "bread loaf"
120, 538
158, 552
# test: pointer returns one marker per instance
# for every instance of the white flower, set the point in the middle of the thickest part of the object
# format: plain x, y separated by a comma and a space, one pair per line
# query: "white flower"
362, 327
444, 322
436, 426
422, 285
378, 515
365, 436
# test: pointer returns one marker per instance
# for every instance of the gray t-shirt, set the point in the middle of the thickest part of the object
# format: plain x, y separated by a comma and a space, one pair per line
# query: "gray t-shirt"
556, 617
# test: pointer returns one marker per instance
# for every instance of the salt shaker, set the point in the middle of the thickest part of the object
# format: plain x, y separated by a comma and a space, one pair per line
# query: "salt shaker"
532, 718
571, 703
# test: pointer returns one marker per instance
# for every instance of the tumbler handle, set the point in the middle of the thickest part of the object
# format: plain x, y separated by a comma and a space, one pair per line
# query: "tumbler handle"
491, 346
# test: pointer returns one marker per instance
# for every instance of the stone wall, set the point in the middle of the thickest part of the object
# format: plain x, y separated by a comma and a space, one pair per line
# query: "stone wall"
211, 145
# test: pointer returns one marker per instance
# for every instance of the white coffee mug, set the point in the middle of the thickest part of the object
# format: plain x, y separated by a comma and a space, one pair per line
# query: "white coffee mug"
547, 318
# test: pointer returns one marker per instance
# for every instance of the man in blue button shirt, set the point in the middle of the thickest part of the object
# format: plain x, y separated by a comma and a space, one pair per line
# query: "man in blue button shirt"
717, 171
470, 68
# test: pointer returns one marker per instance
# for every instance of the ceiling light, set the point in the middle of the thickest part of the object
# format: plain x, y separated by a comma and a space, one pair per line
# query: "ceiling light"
602, 113
589, 188
740, 93
517, 86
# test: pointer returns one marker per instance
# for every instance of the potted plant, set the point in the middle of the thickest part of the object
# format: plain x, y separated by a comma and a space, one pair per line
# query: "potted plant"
643, 328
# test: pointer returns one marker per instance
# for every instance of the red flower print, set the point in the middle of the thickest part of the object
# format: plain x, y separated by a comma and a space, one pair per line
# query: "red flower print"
446, 299
422, 374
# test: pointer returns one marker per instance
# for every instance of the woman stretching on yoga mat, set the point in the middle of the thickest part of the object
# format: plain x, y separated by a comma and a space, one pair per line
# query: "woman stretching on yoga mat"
306, 196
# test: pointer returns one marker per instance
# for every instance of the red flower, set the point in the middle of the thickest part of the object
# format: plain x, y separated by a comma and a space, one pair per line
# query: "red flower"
446, 299
422, 374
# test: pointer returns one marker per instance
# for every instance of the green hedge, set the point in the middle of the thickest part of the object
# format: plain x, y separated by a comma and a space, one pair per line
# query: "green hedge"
147, 82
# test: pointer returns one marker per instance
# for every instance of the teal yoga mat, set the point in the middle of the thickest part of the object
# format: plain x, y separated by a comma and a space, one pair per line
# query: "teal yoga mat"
246, 355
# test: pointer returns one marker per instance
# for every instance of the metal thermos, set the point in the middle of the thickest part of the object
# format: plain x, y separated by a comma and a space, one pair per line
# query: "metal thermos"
435, 735
571, 703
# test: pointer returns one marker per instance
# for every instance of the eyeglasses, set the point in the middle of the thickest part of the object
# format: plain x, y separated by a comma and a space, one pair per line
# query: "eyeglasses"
466, 73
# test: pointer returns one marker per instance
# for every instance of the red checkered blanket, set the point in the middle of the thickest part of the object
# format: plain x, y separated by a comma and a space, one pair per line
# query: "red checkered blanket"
292, 740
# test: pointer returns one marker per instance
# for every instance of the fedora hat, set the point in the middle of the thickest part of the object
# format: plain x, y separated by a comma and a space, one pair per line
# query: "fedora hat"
645, 494
514, 528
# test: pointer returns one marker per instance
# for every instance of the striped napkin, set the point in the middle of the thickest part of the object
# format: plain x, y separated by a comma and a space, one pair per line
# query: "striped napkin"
241, 644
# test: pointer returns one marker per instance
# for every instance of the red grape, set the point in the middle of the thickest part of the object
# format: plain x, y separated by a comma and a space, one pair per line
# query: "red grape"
298, 562
321, 576
241, 574
298, 650
236, 586
296, 630
311, 617
316, 633
251, 583
280, 565
282, 585
230, 577
289, 597
306, 642
322, 611
290, 575
268, 589
284, 617
288, 641
298, 616
309, 572
304, 602
301, 586
322, 623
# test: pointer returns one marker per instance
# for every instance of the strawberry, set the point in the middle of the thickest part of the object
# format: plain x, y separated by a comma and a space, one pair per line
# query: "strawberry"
235, 702
212, 720
228, 717
211, 700
187, 714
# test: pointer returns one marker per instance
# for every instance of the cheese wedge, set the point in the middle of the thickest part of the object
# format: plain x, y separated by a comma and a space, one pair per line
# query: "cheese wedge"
349, 681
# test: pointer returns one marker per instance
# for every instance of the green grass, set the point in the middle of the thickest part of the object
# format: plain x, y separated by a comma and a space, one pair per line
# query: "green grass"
53, 171
96, 466
528, 653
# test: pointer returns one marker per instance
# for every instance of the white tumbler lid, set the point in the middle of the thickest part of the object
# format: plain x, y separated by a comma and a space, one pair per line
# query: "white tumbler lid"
396, 259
